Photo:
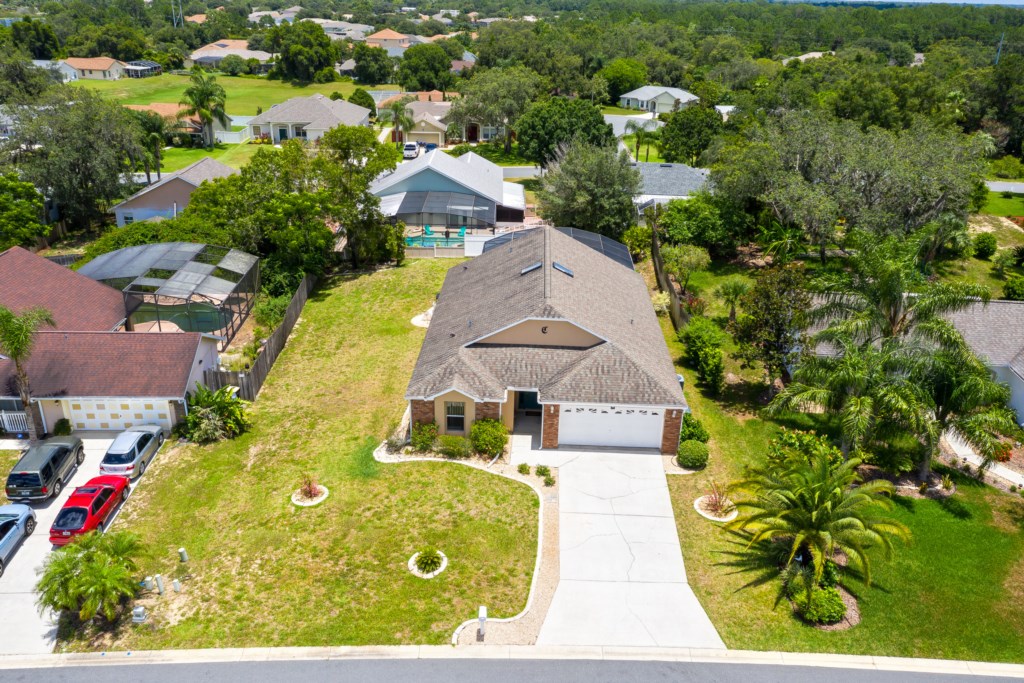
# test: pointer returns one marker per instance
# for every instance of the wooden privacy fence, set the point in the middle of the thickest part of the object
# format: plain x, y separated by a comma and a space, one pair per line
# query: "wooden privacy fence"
250, 381
665, 284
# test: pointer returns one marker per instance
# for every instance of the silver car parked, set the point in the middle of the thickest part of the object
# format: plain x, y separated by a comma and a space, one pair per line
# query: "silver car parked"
16, 522
132, 451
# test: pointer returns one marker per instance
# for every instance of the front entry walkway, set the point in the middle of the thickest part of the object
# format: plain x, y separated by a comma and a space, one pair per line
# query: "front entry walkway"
622, 580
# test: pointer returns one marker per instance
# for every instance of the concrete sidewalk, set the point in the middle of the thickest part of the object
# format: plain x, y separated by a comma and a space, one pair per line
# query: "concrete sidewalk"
621, 576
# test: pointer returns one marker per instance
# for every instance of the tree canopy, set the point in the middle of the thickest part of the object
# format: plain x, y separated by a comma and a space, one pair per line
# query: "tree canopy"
548, 125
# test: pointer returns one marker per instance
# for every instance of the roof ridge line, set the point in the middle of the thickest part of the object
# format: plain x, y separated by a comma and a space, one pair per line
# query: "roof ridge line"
544, 264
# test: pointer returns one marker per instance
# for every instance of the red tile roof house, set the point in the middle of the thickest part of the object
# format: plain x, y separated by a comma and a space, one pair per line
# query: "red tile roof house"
546, 332
97, 68
88, 369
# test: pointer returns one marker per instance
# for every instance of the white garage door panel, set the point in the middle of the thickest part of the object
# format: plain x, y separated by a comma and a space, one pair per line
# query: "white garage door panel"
588, 425
117, 414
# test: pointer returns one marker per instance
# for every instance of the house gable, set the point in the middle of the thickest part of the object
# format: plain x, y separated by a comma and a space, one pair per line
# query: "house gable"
543, 332
428, 180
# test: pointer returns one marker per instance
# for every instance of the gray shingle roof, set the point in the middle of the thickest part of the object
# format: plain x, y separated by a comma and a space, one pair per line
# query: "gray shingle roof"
630, 366
194, 174
316, 111
648, 92
476, 174
670, 180
995, 332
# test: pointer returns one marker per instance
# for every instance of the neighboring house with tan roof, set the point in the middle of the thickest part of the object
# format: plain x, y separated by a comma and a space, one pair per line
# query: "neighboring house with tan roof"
196, 18
96, 68
440, 190
212, 53
306, 118
87, 369
388, 38
170, 195
550, 331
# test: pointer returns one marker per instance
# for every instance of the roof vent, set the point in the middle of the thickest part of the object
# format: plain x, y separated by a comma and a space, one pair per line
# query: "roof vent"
562, 269
530, 268
666, 165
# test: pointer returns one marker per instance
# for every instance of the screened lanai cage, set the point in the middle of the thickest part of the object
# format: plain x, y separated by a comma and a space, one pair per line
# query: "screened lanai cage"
180, 286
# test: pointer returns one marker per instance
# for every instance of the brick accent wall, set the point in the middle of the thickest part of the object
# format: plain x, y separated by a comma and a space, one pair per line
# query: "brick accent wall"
488, 411
670, 431
422, 412
549, 436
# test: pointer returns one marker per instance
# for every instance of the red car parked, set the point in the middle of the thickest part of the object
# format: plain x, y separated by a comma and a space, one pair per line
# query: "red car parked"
88, 508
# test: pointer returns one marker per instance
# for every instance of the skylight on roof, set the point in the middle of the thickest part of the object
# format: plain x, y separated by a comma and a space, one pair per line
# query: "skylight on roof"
563, 269
531, 268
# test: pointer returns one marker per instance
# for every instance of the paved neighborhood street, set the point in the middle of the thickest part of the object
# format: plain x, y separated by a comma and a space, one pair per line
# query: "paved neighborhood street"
622, 580
445, 670
23, 630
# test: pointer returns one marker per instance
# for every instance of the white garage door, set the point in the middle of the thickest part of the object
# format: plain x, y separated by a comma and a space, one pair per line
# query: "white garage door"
589, 425
117, 414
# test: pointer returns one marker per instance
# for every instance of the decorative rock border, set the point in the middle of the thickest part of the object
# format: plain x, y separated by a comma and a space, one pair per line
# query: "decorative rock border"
728, 518
297, 498
416, 572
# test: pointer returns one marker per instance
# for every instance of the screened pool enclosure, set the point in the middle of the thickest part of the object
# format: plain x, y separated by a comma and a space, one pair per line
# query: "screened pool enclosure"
180, 286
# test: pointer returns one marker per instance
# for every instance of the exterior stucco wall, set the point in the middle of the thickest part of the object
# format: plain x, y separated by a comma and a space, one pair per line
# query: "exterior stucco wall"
157, 202
508, 410
439, 412
544, 333
1005, 374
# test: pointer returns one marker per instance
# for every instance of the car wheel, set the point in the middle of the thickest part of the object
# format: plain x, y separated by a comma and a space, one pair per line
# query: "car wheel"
57, 488
81, 456
30, 526
99, 528
142, 467
124, 494
1, 568
161, 441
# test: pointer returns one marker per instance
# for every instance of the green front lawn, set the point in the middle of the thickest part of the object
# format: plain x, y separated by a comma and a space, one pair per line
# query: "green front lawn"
495, 153
998, 205
619, 111
245, 95
235, 156
648, 152
265, 573
954, 592
979, 271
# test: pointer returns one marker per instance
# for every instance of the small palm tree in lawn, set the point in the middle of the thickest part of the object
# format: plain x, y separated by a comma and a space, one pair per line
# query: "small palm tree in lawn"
17, 338
863, 386
92, 575
205, 99
638, 129
398, 116
964, 400
816, 507
883, 295
732, 291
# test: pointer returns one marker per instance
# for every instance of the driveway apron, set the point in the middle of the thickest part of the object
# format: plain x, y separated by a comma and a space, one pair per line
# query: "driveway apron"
622, 581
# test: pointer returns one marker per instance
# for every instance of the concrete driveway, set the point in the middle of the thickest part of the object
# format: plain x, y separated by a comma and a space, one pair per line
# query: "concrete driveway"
22, 629
622, 581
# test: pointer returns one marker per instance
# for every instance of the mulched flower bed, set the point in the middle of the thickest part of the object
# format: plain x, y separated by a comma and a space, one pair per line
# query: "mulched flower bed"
908, 485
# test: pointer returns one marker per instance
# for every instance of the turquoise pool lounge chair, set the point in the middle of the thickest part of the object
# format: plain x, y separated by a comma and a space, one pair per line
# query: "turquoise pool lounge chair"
462, 231
427, 231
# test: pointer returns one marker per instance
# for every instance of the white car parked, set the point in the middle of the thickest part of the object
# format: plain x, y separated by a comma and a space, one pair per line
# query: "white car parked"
411, 150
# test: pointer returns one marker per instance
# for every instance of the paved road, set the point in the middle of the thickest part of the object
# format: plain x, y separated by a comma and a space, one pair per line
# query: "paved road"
23, 630
621, 576
1005, 186
492, 671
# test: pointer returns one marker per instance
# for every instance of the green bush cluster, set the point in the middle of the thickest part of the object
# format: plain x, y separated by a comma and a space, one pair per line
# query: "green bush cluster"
693, 430
543, 471
985, 245
809, 444
214, 415
549, 480
692, 454
424, 436
523, 468
269, 310
703, 341
829, 575
824, 607
455, 447
1014, 288
637, 239
488, 437
1007, 167
62, 427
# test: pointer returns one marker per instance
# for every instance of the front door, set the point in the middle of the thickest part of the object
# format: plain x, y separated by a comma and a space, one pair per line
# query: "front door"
527, 401
472, 132
282, 134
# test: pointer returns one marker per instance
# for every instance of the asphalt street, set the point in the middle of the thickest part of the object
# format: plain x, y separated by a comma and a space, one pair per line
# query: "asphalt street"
491, 671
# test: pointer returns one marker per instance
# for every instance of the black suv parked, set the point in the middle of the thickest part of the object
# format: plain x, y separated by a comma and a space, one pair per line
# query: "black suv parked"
44, 469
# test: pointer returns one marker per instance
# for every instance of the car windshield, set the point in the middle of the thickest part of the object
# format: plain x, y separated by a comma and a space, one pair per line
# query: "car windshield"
23, 479
70, 519
7, 518
118, 458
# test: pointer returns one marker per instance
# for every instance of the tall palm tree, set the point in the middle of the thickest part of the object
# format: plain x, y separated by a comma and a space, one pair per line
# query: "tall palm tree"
817, 508
398, 116
883, 296
205, 99
965, 401
17, 338
864, 386
732, 291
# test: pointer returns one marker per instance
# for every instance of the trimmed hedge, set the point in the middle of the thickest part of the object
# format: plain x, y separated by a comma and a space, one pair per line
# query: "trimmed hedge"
424, 436
452, 446
488, 437
693, 430
825, 607
693, 455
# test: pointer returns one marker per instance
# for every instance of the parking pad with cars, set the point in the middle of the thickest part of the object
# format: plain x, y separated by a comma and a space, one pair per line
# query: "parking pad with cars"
23, 630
